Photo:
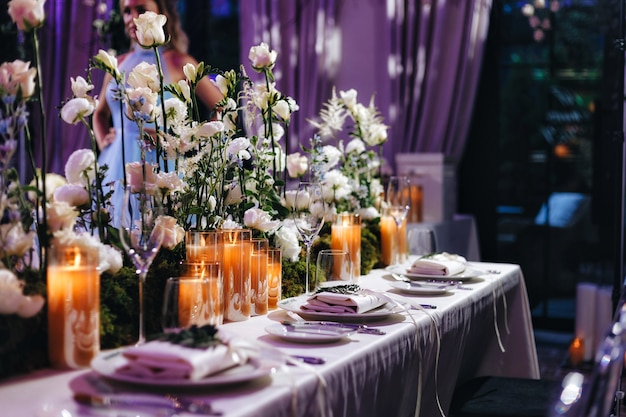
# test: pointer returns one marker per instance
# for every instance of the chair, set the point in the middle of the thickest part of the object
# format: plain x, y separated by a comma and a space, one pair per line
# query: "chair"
492, 396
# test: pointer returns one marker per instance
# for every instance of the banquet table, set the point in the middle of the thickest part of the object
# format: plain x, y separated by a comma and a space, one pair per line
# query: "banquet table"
411, 370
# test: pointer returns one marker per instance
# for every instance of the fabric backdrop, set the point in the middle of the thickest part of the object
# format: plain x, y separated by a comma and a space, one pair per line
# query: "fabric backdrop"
421, 60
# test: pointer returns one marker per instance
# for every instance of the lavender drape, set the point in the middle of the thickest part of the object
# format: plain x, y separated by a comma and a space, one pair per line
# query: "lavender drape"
68, 40
420, 59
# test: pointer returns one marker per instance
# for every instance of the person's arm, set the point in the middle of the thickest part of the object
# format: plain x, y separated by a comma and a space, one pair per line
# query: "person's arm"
104, 132
206, 91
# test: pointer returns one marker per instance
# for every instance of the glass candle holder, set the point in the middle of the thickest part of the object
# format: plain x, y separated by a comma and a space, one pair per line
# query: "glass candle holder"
236, 249
203, 246
274, 277
392, 253
73, 287
258, 276
211, 291
346, 236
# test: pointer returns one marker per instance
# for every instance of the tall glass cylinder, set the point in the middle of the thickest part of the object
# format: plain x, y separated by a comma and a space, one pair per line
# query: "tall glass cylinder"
73, 286
203, 246
236, 249
393, 242
346, 236
274, 277
258, 276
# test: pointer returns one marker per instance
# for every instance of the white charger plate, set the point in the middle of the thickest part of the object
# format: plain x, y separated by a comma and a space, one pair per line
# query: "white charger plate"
107, 362
417, 288
308, 333
293, 304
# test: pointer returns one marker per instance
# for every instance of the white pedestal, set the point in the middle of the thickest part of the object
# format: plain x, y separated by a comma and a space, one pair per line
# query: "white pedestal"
437, 176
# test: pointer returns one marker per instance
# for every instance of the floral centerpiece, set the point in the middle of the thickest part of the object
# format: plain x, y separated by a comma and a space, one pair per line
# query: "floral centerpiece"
227, 172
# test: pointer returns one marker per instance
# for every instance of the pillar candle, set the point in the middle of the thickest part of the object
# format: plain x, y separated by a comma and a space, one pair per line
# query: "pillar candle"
346, 236
73, 289
393, 243
203, 246
585, 317
212, 289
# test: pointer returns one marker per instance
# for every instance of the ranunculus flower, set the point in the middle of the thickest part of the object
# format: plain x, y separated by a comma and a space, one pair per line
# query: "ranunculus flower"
237, 148
79, 168
261, 57
17, 76
297, 164
27, 14
77, 109
72, 194
61, 216
255, 218
150, 29
144, 75
137, 176
173, 233
169, 181
52, 182
80, 86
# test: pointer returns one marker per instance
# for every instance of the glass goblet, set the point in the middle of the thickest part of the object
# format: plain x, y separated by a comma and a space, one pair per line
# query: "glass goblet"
398, 200
308, 215
141, 237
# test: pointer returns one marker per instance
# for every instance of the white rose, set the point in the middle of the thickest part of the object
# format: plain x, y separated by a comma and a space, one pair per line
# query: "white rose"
208, 129
349, 98
77, 109
173, 233
27, 14
110, 259
238, 148
79, 168
376, 134
17, 76
286, 238
150, 29
332, 155
368, 213
138, 176
336, 186
10, 292
261, 57
297, 165
176, 112
255, 218
73, 194
233, 194
290, 199
144, 75
355, 145
169, 181
30, 305
52, 182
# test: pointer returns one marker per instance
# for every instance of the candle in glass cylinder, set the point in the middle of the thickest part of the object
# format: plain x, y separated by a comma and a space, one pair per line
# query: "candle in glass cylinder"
236, 249
346, 236
388, 231
73, 289
258, 276
274, 277
203, 246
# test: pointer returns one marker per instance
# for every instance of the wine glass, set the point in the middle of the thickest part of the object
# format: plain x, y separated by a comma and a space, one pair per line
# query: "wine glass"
398, 205
141, 237
308, 215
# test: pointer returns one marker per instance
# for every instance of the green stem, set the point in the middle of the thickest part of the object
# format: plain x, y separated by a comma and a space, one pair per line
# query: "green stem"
162, 96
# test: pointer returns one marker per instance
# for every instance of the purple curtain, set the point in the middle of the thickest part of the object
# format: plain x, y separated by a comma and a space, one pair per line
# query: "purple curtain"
68, 40
301, 31
420, 59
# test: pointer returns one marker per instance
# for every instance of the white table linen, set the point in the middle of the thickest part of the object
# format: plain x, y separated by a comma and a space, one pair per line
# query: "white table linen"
365, 375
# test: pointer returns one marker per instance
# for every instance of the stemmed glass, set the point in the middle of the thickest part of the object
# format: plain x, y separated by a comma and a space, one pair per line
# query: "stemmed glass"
308, 215
141, 237
398, 205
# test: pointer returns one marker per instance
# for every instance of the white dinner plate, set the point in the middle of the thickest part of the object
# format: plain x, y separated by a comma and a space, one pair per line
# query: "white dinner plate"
308, 333
418, 288
466, 275
107, 362
293, 304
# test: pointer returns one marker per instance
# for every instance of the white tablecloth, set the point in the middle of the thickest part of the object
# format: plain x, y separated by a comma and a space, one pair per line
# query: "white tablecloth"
365, 375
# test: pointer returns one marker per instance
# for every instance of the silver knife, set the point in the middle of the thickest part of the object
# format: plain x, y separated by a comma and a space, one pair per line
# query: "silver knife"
359, 328
146, 400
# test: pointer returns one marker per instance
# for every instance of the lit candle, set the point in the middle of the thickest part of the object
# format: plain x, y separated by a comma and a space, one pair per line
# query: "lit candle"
258, 276
415, 213
203, 246
236, 249
192, 301
211, 290
274, 277
388, 235
73, 287
346, 236
576, 351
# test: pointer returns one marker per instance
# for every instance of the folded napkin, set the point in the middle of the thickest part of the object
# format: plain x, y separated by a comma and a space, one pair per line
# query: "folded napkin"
161, 359
329, 302
440, 264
